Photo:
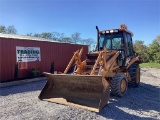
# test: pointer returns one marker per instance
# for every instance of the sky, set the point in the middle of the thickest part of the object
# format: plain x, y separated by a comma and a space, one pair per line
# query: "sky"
142, 17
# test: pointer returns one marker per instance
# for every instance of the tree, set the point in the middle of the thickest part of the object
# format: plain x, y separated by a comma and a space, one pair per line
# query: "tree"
142, 49
75, 37
2, 29
8, 30
154, 50
67, 39
158, 39
37, 35
88, 42
61, 37
55, 35
46, 35
29, 34
11, 30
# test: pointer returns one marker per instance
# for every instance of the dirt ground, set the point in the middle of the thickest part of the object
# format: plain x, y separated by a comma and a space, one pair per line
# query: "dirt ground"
21, 102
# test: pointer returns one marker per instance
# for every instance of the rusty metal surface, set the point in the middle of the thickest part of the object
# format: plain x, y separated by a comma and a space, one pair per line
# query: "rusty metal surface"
59, 52
82, 91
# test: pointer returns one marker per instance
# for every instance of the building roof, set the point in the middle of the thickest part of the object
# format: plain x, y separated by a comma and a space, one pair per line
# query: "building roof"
23, 37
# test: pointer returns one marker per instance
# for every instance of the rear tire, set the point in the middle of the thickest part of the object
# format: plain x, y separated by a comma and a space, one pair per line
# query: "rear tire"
119, 85
134, 72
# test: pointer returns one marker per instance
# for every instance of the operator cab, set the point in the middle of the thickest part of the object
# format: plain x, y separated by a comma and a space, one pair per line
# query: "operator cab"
117, 39
111, 40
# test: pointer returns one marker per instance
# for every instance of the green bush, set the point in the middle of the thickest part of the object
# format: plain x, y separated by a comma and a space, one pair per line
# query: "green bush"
35, 72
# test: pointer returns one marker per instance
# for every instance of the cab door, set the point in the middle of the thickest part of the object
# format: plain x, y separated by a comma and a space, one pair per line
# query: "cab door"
128, 45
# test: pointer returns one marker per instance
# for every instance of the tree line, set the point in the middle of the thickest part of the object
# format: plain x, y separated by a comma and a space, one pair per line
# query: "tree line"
8, 30
74, 38
148, 53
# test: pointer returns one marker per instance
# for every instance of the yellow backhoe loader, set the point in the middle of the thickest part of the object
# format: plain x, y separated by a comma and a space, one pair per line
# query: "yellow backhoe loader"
111, 68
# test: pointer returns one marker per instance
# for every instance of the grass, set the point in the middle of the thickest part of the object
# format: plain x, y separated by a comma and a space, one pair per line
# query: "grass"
150, 65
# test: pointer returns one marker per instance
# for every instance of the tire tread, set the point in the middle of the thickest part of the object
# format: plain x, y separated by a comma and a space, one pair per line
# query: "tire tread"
115, 85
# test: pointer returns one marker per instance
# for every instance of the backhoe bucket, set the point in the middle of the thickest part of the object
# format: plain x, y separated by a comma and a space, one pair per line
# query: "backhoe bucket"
89, 92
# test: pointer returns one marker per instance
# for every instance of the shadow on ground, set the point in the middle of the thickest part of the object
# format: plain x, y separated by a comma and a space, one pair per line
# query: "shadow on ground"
33, 86
137, 101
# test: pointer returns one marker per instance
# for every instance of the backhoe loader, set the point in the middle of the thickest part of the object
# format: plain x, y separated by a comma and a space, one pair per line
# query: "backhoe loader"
110, 69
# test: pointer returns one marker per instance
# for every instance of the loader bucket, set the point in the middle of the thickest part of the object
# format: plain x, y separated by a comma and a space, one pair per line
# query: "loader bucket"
89, 92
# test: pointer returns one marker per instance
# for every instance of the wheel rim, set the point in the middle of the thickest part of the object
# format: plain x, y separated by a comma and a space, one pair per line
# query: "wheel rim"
137, 75
123, 85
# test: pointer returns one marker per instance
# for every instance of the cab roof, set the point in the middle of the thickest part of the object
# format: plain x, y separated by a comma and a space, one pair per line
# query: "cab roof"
123, 28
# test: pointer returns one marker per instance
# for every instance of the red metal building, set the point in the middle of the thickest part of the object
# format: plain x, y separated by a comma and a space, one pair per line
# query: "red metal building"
50, 51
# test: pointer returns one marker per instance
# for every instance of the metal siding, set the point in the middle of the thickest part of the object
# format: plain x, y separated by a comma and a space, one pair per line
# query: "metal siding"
11, 63
60, 53
4, 57
0, 58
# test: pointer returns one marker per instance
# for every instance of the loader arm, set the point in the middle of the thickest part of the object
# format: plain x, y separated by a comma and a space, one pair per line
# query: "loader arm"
77, 58
110, 65
96, 63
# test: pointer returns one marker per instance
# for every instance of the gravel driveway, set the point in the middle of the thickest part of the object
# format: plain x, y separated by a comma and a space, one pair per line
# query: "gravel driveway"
21, 102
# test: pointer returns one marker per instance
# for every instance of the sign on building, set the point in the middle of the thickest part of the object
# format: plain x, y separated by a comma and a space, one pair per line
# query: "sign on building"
28, 54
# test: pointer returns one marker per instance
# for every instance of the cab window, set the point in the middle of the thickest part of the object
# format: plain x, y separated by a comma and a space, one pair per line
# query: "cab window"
111, 41
129, 45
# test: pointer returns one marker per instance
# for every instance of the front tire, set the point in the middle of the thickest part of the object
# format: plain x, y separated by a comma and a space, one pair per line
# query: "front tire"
119, 85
